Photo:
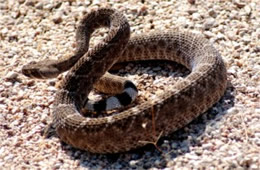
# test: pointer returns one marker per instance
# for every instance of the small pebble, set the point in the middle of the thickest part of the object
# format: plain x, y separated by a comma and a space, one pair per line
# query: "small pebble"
239, 3
196, 16
39, 5
29, 2
209, 23
192, 1
192, 10
212, 13
11, 75
57, 18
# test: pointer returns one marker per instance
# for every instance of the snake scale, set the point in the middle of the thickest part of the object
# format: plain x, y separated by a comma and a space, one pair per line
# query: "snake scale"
164, 114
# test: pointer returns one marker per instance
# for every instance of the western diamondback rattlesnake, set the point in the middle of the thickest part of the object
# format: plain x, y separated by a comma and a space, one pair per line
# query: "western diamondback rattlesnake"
144, 122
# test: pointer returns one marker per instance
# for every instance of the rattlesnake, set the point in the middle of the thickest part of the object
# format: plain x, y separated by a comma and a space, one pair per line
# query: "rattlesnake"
127, 129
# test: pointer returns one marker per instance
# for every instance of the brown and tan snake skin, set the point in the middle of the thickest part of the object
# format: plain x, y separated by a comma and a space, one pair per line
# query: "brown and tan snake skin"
165, 114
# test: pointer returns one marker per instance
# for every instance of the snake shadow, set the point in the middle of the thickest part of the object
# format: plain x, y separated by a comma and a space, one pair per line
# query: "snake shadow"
170, 147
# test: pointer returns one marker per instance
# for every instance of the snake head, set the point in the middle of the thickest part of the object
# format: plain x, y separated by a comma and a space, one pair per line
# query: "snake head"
41, 70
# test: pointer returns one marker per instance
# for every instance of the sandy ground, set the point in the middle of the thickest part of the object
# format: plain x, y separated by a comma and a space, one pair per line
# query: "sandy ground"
225, 137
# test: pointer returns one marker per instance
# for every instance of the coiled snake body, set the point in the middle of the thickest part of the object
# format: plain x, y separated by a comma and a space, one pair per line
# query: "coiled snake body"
144, 122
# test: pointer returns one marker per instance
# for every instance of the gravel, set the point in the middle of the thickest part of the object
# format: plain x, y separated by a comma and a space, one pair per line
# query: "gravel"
225, 137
